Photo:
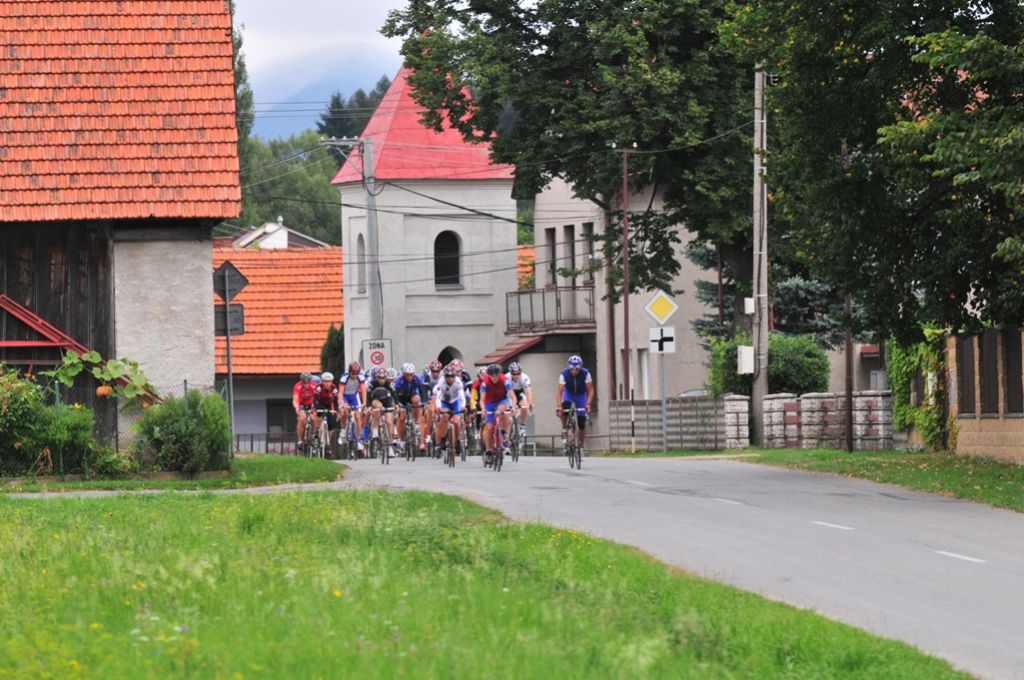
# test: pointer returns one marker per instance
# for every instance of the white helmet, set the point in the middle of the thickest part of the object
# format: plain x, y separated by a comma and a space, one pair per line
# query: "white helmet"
327, 376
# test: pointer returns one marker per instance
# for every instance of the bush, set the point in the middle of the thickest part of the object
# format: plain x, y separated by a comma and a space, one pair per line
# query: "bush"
188, 435
67, 433
796, 364
21, 409
110, 464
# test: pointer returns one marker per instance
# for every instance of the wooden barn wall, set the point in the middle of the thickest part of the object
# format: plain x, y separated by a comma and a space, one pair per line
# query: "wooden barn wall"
61, 272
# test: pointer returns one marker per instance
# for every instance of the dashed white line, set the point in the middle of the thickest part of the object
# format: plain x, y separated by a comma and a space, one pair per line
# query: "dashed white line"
960, 557
633, 481
833, 526
726, 500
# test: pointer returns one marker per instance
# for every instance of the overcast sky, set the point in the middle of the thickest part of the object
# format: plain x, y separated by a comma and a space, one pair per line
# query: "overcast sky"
303, 50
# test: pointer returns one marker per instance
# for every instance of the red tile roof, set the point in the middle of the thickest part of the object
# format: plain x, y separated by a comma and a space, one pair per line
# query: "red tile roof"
525, 259
293, 297
117, 110
405, 149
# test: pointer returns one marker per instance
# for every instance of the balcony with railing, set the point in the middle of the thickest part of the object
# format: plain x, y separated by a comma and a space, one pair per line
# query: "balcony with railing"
562, 308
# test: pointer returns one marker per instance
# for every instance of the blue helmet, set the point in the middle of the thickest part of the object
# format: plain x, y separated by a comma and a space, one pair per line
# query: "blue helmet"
574, 362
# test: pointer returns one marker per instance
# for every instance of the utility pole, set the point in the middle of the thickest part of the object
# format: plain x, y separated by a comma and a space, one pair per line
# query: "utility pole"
760, 325
625, 275
375, 291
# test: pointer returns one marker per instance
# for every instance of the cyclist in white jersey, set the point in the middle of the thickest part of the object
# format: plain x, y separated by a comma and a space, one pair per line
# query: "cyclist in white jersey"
524, 392
449, 398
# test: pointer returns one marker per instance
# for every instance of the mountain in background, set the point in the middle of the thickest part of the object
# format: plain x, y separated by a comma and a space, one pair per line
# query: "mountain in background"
291, 94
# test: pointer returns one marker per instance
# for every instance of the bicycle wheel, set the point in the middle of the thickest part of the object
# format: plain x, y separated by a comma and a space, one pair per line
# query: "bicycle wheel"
463, 443
575, 436
325, 441
452, 443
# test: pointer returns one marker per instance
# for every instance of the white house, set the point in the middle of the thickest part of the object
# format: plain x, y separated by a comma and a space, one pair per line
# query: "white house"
447, 235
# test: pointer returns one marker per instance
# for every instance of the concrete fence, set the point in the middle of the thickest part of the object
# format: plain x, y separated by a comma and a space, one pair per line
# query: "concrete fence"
814, 420
818, 420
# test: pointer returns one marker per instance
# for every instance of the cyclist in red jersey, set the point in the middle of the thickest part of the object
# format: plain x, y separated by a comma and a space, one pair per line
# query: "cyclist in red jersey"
497, 397
303, 393
326, 402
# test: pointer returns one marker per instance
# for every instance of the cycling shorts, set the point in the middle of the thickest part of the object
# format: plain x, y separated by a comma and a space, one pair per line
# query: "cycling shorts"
352, 400
491, 408
580, 401
406, 399
453, 407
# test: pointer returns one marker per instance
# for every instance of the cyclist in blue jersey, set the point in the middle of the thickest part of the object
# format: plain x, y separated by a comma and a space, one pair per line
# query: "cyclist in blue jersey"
410, 390
575, 390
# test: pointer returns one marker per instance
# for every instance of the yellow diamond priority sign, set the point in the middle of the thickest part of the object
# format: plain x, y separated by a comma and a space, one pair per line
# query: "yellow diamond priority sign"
661, 307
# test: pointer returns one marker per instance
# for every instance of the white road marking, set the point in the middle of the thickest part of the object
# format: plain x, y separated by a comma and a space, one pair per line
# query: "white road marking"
726, 500
633, 481
960, 557
833, 526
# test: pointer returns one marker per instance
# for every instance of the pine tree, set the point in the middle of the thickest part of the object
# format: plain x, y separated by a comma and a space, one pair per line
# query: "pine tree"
332, 354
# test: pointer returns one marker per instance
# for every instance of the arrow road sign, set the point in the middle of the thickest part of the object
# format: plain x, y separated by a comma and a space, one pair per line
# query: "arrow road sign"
234, 284
663, 340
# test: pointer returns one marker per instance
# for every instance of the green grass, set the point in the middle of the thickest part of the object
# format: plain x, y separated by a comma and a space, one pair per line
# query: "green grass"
251, 471
977, 479
380, 585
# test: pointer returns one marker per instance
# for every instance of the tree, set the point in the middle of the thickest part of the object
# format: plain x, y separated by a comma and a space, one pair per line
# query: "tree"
348, 118
292, 178
332, 354
569, 90
873, 220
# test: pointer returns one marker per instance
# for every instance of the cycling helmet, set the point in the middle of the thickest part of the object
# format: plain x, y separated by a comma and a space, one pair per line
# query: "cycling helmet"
327, 376
457, 365
514, 367
306, 376
316, 380
575, 362
450, 372
391, 373
481, 372
435, 366
408, 368
354, 367
494, 369
380, 373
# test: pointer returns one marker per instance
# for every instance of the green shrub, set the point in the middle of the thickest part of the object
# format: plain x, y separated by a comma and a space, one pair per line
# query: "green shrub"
67, 433
188, 435
110, 464
21, 409
796, 364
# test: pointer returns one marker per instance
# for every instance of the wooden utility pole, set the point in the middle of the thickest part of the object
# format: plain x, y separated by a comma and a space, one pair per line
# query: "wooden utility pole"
625, 274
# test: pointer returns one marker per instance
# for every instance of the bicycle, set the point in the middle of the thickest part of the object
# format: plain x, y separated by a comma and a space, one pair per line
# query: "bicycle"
464, 441
451, 452
310, 438
412, 434
322, 435
380, 444
572, 435
350, 443
517, 437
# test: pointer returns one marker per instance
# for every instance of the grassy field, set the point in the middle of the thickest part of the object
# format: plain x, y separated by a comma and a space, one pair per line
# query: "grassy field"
380, 585
976, 479
250, 471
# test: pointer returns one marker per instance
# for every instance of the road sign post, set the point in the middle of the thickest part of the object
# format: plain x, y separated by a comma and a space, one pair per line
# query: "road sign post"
227, 283
663, 341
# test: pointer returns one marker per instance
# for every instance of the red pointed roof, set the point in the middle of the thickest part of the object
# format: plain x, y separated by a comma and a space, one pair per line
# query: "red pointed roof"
293, 297
117, 110
404, 149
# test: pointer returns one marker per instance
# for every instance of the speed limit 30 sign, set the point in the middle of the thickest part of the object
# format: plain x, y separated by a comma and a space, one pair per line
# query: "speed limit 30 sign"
377, 353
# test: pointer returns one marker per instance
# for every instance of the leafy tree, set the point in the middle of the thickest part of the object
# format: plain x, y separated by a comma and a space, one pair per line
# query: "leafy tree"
567, 88
796, 364
332, 354
348, 118
879, 222
291, 178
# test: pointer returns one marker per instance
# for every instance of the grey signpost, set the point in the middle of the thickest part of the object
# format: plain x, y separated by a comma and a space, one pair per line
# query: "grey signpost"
663, 341
227, 283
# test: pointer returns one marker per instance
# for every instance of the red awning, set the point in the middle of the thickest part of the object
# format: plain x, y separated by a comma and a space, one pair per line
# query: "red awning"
507, 351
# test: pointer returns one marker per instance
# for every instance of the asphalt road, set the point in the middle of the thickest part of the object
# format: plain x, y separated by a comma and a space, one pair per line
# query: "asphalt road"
944, 575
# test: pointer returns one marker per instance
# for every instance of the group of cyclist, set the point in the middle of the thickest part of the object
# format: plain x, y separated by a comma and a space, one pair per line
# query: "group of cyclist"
440, 395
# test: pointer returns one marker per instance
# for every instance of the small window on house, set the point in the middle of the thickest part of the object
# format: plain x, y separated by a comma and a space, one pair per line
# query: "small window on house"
588, 251
552, 263
360, 265
988, 371
1012, 371
280, 419
446, 259
965, 371
569, 258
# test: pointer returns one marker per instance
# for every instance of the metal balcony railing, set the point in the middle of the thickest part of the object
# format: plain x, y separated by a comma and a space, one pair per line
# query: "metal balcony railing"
547, 309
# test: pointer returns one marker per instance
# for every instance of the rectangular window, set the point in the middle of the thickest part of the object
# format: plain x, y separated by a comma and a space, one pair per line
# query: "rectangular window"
552, 264
988, 371
1012, 371
965, 371
569, 232
280, 418
588, 250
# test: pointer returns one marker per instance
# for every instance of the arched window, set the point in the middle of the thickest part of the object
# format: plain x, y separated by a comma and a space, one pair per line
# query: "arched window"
447, 354
446, 259
360, 265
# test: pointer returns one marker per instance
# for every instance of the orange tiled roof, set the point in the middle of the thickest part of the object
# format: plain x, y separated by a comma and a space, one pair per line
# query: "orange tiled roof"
117, 110
293, 297
525, 259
